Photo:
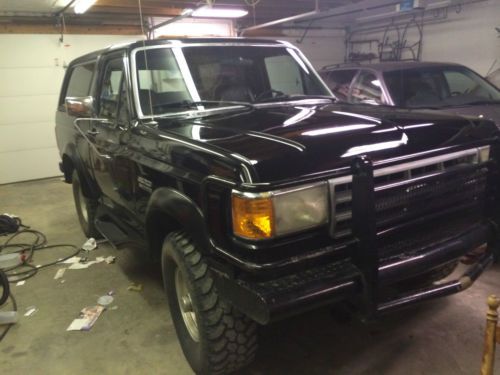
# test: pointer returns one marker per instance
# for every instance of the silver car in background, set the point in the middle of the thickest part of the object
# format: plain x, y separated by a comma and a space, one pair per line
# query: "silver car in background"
416, 85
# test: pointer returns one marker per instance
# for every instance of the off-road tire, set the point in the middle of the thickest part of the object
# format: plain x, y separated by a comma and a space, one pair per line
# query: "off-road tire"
227, 339
84, 204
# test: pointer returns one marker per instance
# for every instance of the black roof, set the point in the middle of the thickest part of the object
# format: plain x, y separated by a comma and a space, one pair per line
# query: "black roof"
170, 41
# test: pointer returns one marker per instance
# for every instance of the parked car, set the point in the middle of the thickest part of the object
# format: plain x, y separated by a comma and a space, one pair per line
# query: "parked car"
448, 87
262, 197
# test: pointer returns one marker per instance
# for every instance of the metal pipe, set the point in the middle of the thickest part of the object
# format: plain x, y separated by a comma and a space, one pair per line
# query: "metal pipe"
283, 20
61, 11
490, 338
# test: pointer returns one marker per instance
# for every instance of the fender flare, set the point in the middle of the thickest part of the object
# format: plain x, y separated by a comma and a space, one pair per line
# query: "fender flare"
89, 186
169, 210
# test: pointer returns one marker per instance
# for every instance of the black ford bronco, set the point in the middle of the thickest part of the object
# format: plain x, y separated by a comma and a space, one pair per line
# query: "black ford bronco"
261, 195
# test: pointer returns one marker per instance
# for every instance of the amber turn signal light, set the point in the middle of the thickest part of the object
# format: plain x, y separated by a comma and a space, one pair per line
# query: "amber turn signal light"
253, 218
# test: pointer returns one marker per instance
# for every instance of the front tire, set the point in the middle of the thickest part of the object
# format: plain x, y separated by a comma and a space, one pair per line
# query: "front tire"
215, 338
86, 208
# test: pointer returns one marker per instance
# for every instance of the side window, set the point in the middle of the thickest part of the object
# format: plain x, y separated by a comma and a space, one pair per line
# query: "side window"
366, 89
459, 83
109, 95
79, 82
339, 82
280, 70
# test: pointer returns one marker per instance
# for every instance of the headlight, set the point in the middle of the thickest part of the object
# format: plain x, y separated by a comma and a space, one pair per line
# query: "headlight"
266, 215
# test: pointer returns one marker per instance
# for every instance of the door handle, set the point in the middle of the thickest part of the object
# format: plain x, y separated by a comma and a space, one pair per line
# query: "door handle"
92, 132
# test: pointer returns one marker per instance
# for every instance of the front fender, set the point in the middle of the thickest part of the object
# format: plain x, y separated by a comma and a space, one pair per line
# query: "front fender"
169, 210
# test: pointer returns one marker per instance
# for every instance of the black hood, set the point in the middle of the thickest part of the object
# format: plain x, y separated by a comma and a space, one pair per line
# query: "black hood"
282, 142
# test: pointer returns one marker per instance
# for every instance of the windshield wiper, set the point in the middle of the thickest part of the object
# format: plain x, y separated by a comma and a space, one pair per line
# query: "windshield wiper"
295, 97
197, 103
475, 102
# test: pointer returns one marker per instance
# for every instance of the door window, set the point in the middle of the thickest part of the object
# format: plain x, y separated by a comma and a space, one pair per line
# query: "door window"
109, 97
367, 89
283, 74
80, 80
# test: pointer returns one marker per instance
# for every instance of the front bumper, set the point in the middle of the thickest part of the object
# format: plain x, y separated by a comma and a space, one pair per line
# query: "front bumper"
271, 300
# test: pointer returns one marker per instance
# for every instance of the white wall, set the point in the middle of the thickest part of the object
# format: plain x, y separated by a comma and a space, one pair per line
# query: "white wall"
467, 38
321, 47
31, 73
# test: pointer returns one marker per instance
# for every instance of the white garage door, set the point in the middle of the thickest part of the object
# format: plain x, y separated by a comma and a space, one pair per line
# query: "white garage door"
31, 72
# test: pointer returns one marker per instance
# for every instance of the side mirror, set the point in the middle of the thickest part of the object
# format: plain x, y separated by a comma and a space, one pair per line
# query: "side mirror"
80, 106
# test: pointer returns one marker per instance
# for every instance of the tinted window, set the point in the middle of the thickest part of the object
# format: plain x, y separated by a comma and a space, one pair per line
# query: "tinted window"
80, 80
438, 87
366, 89
110, 89
339, 82
228, 73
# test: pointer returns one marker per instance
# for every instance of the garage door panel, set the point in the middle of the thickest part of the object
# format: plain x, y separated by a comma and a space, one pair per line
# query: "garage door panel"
23, 109
19, 137
30, 82
23, 48
29, 165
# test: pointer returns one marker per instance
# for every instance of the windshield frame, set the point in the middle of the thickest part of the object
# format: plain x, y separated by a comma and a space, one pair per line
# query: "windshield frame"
178, 54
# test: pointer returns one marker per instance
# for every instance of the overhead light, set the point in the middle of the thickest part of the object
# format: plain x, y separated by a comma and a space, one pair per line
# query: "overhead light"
81, 6
214, 12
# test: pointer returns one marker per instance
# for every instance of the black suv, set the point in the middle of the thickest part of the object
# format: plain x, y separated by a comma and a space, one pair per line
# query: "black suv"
261, 196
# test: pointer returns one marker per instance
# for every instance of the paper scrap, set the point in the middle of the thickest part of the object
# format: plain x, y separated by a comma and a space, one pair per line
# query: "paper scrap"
30, 311
87, 318
79, 266
72, 260
20, 283
59, 273
110, 259
135, 287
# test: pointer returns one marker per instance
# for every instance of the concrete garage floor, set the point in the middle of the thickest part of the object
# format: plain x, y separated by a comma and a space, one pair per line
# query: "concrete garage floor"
440, 337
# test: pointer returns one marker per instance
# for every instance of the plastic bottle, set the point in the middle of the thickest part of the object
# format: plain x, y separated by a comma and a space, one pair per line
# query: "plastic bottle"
8, 317
9, 260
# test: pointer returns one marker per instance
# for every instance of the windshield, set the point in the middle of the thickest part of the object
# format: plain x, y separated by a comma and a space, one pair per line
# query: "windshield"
220, 74
439, 87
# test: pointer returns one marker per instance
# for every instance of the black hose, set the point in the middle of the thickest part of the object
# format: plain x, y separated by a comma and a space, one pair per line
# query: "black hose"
4, 283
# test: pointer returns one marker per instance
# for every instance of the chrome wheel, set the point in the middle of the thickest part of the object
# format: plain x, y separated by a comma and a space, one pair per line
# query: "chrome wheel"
186, 306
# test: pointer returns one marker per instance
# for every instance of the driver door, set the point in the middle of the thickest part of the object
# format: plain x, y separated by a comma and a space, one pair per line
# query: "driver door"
113, 171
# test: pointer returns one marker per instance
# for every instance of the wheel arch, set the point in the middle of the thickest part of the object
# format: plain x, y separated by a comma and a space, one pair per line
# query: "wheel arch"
71, 161
169, 210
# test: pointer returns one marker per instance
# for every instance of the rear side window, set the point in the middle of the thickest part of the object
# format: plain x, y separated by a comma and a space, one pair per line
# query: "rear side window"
339, 82
80, 80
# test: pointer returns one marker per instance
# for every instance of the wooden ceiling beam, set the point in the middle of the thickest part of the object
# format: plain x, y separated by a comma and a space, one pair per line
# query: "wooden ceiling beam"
163, 12
27, 28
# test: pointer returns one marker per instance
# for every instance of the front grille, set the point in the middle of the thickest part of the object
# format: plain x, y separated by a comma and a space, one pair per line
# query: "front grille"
407, 191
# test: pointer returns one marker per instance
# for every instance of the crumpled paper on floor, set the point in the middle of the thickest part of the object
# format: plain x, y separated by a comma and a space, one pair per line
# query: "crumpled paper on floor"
87, 318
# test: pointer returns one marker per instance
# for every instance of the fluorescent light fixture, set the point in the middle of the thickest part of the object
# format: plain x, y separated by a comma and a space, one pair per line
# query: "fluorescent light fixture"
214, 12
81, 6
